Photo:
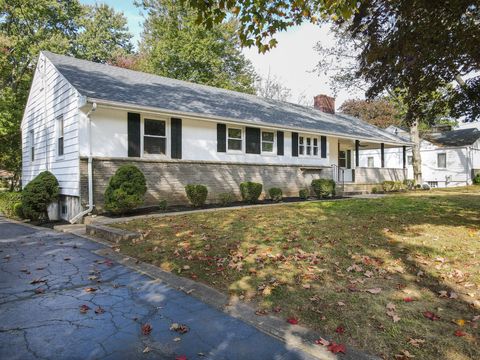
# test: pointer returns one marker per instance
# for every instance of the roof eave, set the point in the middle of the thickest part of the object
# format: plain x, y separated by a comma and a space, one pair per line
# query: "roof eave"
204, 117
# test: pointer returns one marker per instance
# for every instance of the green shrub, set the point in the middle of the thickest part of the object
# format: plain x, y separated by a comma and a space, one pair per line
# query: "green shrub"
8, 203
476, 179
162, 205
250, 191
38, 195
18, 210
303, 194
374, 190
275, 194
197, 194
226, 198
388, 186
126, 190
323, 187
409, 184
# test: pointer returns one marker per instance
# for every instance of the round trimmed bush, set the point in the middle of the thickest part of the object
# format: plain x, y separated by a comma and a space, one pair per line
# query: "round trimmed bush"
303, 194
38, 195
197, 194
250, 191
476, 179
323, 187
226, 198
275, 194
126, 190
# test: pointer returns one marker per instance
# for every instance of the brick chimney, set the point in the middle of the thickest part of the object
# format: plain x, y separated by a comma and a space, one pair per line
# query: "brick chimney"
324, 103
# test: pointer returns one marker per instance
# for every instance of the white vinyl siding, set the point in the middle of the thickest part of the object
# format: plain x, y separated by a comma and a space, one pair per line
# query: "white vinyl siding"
45, 104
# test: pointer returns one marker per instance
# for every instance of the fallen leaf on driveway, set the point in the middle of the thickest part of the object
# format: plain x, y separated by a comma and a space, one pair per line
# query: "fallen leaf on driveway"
180, 328
181, 357
90, 289
39, 291
261, 312
84, 308
146, 329
431, 316
292, 320
336, 348
374, 291
322, 341
67, 259
146, 350
177, 339
37, 281
99, 310
416, 342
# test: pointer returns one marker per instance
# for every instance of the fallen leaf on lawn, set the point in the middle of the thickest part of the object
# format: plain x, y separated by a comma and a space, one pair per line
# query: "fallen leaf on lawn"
90, 289
416, 342
374, 291
322, 341
99, 310
292, 320
146, 350
354, 267
408, 299
404, 355
306, 286
368, 273
340, 330
443, 293
277, 309
340, 303
84, 308
146, 329
459, 333
391, 306
180, 328
431, 316
453, 295
476, 318
336, 348
186, 267
460, 322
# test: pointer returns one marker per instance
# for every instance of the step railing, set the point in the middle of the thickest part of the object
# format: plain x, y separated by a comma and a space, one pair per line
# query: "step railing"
338, 175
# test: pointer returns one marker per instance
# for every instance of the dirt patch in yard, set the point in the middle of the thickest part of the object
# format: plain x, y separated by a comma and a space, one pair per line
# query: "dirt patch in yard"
397, 276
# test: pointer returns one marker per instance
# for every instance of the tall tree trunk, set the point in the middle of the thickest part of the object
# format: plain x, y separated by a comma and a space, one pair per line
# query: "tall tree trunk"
417, 159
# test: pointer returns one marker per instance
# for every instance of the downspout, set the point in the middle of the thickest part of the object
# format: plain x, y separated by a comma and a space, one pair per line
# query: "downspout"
89, 170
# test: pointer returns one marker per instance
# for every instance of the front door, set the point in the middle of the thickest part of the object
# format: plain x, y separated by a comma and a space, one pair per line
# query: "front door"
345, 163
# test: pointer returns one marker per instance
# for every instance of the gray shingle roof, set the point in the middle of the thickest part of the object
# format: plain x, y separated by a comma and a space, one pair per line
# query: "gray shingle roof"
111, 83
462, 137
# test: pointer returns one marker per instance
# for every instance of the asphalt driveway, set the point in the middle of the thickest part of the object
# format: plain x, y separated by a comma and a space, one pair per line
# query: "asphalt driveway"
60, 300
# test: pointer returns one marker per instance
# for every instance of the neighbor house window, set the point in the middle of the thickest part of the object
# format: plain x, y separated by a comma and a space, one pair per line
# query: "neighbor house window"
371, 161
267, 141
307, 146
442, 161
60, 132
433, 184
154, 137
31, 141
234, 139
410, 160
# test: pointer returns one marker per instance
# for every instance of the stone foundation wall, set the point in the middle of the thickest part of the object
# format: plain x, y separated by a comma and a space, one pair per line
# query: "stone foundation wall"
166, 179
365, 175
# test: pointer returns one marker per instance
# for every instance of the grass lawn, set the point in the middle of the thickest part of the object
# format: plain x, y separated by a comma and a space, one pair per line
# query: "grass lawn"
374, 274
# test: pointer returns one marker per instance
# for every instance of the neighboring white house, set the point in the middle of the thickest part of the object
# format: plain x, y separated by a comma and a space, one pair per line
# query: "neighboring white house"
83, 120
449, 158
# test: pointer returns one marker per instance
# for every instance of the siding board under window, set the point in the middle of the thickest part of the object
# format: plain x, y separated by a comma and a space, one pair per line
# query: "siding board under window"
221, 138
280, 145
176, 134
294, 144
252, 138
133, 135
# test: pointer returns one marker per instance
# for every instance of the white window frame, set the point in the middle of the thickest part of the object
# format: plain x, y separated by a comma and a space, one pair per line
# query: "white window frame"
372, 158
60, 134
311, 146
273, 142
438, 162
166, 137
31, 145
242, 139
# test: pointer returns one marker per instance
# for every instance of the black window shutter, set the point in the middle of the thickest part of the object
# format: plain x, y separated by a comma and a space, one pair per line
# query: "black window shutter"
176, 134
279, 142
323, 146
221, 138
294, 144
349, 159
133, 134
252, 140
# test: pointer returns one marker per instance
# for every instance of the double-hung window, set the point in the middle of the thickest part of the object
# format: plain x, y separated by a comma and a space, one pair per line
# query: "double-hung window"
60, 133
442, 161
234, 139
154, 137
31, 144
268, 138
308, 146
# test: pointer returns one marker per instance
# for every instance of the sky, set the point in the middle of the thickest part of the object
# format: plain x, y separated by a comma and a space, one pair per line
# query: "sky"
292, 61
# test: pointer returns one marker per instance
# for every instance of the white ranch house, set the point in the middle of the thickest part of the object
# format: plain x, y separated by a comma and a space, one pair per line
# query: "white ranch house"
449, 158
83, 120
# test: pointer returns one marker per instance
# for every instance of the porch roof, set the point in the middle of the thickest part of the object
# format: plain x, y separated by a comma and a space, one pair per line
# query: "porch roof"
122, 86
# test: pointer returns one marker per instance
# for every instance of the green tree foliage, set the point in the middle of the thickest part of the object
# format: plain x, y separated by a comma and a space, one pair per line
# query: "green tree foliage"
38, 195
126, 190
174, 45
378, 112
66, 27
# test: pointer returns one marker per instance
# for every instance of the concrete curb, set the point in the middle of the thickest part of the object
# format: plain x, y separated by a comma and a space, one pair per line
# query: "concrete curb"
111, 234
